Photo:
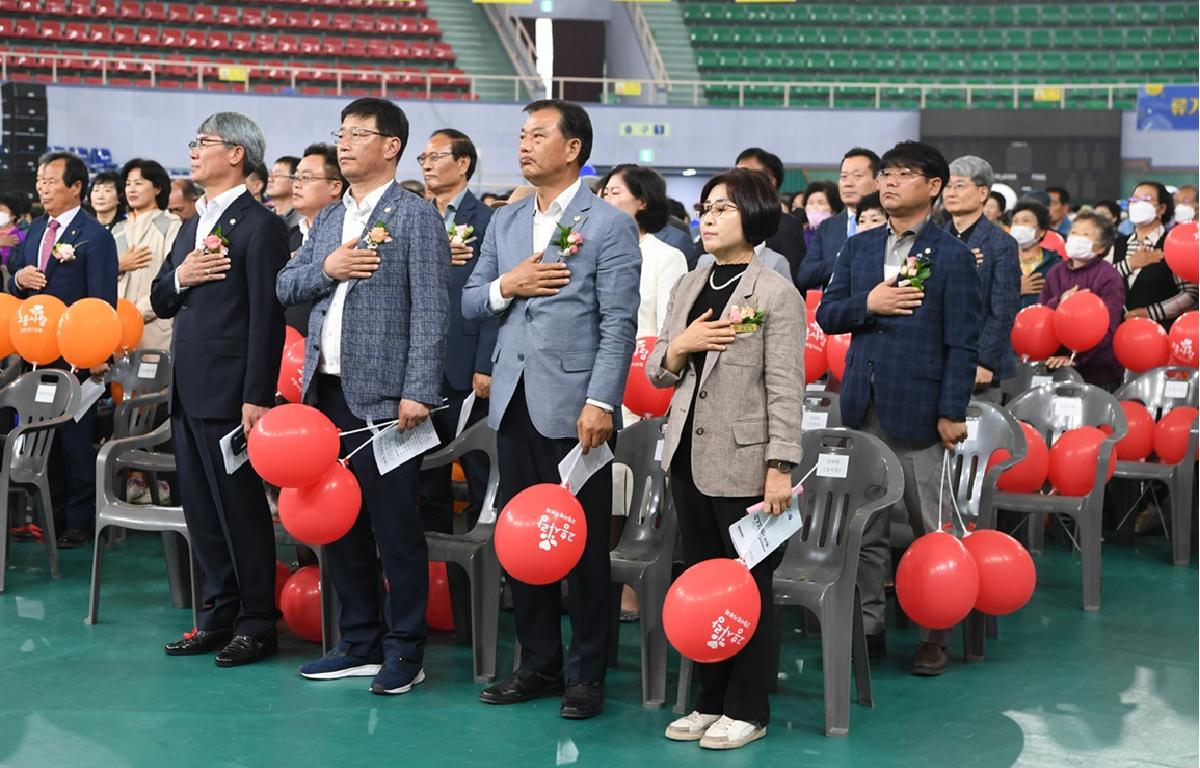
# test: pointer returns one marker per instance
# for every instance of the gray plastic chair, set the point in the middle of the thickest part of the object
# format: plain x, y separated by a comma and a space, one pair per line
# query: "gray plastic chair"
1032, 375
822, 410
475, 551
646, 551
44, 400
820, 567
144, 376
1038, 408
1150, 389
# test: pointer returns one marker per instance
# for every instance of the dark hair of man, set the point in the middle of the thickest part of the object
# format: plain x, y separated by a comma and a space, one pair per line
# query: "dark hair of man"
1038, 210
573, 123
647, 187
872, 158
1163, 197
292, 162
74, 170
1064, 196
830, 190
190, 190
328, 154
261, 172
768, 160
154, 173
1107, 230
756, 198
389, 118
869, 202
677, 209
460, 146
920, 157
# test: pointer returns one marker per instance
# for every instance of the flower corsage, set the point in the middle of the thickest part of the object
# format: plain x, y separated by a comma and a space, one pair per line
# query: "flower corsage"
569, 241
461, 234
377, 235
746, 319
64, 252
916, 270
216, 243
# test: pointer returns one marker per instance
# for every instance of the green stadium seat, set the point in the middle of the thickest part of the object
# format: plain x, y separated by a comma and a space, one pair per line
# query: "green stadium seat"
992, 37
831, 36
1078, 15
1006, 63
701, 35
1032, 15
852, 37
1042, 37
1177, 13
921, 38
886, 16
1125, 61
1185, 36
1016, 38
693, 12
908, 61
876, 38
885, 61
1051, 15
954, 61
1050, 62
912, 15
932, 63
707, 59
942, 16
1066, 37
979, 15
970, 38
1112, 37
772, 60
1149, 13
1100, 14
1099, 61
1125, 13
808, 36
781, 14
752, 59
1161, 36
843, 61
945, 39
1149, 61
1077, 62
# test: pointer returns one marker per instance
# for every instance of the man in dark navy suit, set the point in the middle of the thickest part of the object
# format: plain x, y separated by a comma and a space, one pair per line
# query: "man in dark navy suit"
856, 181
911, 364
227, 344
69, 255
447, 164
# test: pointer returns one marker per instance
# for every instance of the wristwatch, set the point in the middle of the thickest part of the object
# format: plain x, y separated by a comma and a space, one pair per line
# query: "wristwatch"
782, 466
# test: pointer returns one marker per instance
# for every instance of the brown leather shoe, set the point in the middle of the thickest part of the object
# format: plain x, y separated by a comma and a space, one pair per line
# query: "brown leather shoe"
930, 660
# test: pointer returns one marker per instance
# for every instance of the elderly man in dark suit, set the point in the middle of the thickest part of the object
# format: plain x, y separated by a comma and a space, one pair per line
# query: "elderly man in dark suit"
376, 342
218, 283
69, 255
447, 165
911, 365
999, 269
856, 181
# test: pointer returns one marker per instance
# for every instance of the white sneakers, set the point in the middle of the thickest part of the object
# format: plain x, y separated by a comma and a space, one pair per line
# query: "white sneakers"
715, 732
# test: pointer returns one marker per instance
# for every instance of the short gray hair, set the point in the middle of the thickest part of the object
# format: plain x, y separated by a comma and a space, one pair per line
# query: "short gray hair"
237, 130
978, 170
1104, 228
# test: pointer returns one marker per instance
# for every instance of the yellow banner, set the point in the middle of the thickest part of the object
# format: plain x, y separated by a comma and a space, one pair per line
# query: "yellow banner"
628, 87
1047, 94
231, 74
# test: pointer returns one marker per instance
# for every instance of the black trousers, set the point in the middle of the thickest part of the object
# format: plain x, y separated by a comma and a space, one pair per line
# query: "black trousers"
73, 472
528, 458
229, 522
388, 524
736, 687
435, 496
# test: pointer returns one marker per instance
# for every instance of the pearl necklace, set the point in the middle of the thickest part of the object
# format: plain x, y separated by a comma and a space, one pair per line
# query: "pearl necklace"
725, 284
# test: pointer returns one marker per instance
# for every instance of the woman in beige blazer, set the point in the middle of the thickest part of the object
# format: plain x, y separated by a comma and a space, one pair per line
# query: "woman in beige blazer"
733, 432
143, 240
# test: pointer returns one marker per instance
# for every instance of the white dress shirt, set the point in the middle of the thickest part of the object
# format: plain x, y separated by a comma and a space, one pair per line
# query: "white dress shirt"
544, 227
209, 213
354, 225
64, 220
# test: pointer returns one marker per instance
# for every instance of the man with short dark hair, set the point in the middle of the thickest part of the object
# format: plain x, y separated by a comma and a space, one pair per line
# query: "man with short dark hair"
279, 188
567, 324
69, 255
318, 182
1060, 209
913, 354
856, 180
256, 181
184, 194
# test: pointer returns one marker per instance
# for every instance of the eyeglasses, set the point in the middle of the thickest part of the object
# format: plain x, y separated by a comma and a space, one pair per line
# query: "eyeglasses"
355, 135
206, 142
288, 177
902, 176
1142, 199
308, 178
717, 209
432, 157
961, 186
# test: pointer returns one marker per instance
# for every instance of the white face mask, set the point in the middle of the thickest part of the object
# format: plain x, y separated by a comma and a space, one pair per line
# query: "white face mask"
816, 216
1142, 212
1025, 236
1080, 248
4, 219
1183, 213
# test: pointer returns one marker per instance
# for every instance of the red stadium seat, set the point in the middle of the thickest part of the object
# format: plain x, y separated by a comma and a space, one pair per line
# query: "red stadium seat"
148, 36
154, 12
97, 34
24, 28
204, 14
56, 8
287, 43
194, 39
319, 20
30, 6
227, 16
297, 19
386, 24
50, 30
171, 37
355, 47
331, 46
105, 9
427, 27
176, 66
400, 50
365, 22
264, 41
219, 41
254, 17
178, 12
420, 51
70, 80
405, 26
443, 51
310, 45
276, 18
75, 32
343, 22
241, 41
129, 9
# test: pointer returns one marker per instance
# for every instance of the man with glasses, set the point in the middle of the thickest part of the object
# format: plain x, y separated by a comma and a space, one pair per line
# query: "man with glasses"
857, 179
279, 188
318, 182
225, 351
376, 268
912, 360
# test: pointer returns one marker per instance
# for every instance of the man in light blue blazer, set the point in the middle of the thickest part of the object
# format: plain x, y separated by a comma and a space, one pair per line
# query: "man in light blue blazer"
376, 267
567, 323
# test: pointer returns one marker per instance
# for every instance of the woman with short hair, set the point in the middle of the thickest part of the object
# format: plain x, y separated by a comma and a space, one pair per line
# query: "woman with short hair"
143, 241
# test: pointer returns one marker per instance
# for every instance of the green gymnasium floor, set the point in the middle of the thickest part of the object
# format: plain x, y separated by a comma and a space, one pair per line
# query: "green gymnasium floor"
1060, 688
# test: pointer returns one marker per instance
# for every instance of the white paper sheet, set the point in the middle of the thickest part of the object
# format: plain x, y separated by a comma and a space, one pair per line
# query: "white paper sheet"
468, 405
575, 469
89, 393
45, 393
394, 447
1038, 381
1069, 410
233, 457
758, 534
1176, 389
832, 465
147, 370
814, 420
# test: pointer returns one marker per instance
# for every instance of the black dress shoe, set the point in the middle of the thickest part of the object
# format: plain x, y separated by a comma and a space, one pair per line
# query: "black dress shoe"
199, 642
522, 686
877, 646
582, 700
247, 649
930, 660
73, 538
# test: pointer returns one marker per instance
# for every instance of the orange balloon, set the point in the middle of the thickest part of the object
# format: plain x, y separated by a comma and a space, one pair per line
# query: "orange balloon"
89, 332
8, 307
33, 328
131, 324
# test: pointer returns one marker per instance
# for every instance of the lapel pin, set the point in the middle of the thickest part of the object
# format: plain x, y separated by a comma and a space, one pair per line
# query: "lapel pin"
577, 218
387, 210
232, 222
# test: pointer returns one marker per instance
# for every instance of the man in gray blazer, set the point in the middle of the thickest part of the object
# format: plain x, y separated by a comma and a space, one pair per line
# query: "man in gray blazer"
563, 352
376, 342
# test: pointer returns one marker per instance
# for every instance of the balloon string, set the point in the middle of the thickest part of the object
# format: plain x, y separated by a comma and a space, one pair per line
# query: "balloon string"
382, 424
1071, 359
382, 431
953, 500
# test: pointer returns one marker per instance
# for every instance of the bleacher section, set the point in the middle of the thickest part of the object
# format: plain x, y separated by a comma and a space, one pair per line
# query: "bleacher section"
1026, 44
302, 46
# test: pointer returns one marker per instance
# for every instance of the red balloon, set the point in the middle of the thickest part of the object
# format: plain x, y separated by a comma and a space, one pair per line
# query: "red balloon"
837, 346
937, 582
1141, 344
642, 397
1139, 440
1172, 433
293, 445
712, 610
1185, 339
291, 371
290, 336
1081, 321
1073, 460
1054, 242
1182, 253
541, 534
1029, 474
282, 574
1007, 577
439, 612
323, 512
815, 362
301, 603
1033, 334
812, 300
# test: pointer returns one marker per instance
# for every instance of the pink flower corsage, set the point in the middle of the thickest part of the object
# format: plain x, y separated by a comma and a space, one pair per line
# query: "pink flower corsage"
64, 252
216, 243
569, 241
377, 235
746, 319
